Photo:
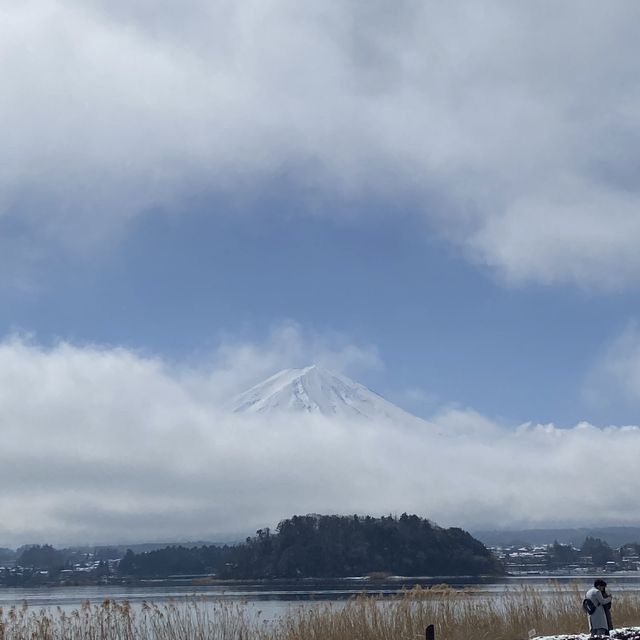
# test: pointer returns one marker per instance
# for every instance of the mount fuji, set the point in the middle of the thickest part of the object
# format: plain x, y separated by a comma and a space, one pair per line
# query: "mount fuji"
315, 390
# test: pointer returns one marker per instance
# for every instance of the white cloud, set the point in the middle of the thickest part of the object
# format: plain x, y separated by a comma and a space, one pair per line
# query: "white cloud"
107, 445
239, 364
516, 124
465, 422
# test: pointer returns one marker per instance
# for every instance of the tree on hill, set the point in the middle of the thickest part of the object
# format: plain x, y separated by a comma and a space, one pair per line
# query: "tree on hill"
41, 557
172, 560
600, 551
560, 555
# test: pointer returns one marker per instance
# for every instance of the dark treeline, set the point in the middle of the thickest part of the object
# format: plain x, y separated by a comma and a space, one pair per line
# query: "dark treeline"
600, 552
328, 547
46, 557
36, 565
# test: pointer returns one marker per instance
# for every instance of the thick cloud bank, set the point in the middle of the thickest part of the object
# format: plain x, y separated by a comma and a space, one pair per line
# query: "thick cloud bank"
514, 126
106, 445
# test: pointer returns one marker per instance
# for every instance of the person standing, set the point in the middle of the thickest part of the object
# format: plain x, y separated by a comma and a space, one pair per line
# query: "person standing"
607, 608
600, 619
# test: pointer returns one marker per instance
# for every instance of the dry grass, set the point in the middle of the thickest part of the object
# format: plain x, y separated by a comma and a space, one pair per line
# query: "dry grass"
457, 615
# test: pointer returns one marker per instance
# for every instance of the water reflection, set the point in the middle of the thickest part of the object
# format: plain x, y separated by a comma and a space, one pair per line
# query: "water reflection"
273, 598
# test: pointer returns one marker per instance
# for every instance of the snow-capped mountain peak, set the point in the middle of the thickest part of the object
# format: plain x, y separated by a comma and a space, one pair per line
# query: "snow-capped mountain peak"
316, 390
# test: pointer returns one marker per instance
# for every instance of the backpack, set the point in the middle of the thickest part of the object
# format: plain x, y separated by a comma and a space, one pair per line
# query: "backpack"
588, 606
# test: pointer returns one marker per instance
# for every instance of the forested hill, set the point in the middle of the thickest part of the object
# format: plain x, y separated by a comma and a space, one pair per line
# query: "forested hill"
328, 547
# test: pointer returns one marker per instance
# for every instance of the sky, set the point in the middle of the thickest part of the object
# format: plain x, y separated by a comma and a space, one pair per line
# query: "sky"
440, 202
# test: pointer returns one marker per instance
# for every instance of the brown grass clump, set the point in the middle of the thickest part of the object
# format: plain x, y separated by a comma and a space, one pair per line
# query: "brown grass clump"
457, 615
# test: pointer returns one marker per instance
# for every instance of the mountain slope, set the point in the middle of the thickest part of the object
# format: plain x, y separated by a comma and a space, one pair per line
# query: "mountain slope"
315, 390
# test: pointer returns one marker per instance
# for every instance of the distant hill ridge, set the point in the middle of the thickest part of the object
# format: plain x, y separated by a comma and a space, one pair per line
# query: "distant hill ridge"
613, 536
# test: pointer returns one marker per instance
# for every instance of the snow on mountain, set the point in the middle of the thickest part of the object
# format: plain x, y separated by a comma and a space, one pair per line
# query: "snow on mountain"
315, 390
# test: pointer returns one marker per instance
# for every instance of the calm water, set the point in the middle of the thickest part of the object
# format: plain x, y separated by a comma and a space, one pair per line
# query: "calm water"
269, 600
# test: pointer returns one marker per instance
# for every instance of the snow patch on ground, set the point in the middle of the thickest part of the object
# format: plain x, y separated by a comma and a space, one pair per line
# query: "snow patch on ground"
626, 633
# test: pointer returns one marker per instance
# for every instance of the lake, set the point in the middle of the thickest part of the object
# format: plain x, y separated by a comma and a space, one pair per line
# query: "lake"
269, 600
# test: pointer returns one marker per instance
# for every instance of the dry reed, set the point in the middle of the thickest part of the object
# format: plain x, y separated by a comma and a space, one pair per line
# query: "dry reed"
457, 615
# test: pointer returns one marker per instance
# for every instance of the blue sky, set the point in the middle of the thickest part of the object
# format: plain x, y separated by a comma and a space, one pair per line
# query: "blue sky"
439, 201
177, 284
